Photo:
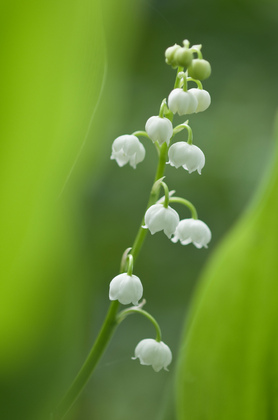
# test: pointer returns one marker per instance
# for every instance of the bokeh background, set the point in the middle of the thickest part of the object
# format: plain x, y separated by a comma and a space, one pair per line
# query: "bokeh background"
76, 75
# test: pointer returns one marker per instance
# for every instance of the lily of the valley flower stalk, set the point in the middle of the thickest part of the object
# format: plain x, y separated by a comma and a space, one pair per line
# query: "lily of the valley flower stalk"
126, 288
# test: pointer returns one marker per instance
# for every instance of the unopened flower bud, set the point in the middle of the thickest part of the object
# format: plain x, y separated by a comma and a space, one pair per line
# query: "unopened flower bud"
183, 57
191, 230
159, 129
126, 289
189, 156
203, 99
169, 55
127, 149
182, 102
199, 69
153, 353
159, 218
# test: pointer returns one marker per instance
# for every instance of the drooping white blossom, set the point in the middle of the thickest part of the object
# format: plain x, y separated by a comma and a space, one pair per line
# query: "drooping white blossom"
159, 218
189, 156
182, 102
191, 230
153, 353
126, 289
127, 149
159, 129
203, 99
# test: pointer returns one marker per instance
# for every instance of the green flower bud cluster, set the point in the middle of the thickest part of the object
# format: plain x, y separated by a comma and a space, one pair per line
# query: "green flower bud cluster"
177, 56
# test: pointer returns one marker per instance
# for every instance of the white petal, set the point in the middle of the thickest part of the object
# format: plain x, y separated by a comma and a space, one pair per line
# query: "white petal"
159, 129
203, 99
127, 149
182, 102
159, 218
200, 233
120, 157
178, 153
154, 353
195, 159
126, 289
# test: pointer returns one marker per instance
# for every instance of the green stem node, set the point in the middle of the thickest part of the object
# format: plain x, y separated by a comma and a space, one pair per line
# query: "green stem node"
130, 265
162, 108
166, 191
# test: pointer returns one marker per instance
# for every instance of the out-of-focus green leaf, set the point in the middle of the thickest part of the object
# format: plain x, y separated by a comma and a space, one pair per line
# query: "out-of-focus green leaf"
229, 359
52, 70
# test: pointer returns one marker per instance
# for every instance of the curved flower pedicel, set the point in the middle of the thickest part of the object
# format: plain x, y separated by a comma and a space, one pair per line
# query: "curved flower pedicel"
127, 149
153, 353
189, 156
182, 102
126, 289
192, 230
159, 218
159, 129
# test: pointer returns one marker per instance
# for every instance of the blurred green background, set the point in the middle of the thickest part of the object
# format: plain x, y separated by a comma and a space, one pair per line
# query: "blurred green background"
74, 77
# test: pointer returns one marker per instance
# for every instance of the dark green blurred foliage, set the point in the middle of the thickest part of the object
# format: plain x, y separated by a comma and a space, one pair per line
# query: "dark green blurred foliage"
65, 248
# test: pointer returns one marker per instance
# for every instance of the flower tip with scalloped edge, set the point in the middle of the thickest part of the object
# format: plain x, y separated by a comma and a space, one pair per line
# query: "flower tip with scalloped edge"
192, 231
153, 353
159, 129
126, 289
189, 156
127, 149
159, 218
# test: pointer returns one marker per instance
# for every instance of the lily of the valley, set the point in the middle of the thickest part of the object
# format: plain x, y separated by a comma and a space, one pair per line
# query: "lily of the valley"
159, 129
153, 353
126, 289
203, 99
189, 156
182, 102
191, 230
159, 218
127, 149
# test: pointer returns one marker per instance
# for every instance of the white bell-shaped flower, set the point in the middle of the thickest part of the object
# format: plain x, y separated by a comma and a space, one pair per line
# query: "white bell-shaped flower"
153, 353
189, 156
182, 102
159, 129
126, 289
158, 218
203, 98
127, 149
191, 230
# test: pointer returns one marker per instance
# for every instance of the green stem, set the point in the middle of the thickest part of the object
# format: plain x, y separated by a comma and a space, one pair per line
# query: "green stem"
84, 374
177, 81
137, 244
130, 265
198, 83
140, 133
166, 191
161, 109
185, 203
122, 315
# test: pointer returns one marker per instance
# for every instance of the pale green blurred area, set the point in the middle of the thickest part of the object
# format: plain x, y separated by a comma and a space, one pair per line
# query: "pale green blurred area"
62, 238
228, 361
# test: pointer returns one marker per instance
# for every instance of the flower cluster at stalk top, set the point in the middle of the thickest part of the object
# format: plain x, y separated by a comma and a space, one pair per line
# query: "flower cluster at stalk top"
187, 97
192, 68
